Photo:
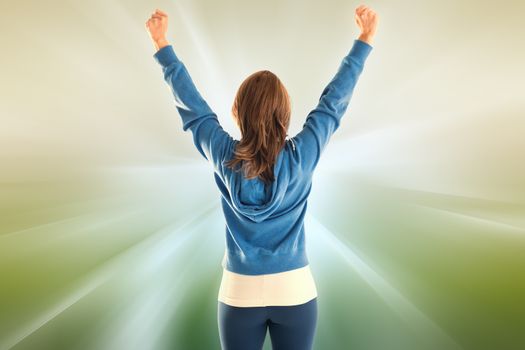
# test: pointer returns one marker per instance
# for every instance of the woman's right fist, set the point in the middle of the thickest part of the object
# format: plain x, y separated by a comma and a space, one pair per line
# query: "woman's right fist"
366, 20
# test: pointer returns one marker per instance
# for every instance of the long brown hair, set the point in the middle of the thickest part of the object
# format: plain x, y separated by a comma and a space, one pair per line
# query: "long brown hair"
262, 110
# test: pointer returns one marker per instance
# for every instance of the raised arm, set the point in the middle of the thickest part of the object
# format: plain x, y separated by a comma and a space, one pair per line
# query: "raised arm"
208, 135
325, 118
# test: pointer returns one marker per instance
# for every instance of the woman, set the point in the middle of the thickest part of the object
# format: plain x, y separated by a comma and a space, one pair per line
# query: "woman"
264, 180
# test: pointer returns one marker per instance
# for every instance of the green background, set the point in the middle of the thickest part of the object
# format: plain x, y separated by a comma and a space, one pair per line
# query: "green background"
111, 233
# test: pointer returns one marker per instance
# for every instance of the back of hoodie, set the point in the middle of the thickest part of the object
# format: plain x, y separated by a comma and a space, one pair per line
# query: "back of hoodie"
265, 230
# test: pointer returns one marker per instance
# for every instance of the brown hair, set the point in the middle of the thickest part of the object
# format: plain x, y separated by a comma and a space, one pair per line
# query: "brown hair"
262, 111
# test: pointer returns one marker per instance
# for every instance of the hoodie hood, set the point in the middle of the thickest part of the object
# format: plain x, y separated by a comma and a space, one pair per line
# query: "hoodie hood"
254, 199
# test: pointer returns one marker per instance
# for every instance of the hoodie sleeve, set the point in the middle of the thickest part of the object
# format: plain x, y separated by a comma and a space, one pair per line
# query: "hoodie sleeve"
325, 118
208, 135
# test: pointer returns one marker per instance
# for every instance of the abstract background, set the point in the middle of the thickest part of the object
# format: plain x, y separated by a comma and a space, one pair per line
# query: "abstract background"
111, 232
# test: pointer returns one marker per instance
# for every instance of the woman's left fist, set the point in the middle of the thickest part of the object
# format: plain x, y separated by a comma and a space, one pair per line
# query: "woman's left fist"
157, 26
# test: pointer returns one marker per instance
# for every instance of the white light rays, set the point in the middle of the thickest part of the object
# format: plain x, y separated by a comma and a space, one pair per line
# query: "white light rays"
173, 234
153, 288
390, 295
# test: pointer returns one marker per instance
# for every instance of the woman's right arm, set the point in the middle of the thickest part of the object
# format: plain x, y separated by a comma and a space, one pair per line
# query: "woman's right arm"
325, 118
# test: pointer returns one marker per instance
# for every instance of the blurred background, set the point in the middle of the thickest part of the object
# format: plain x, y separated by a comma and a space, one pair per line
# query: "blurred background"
111, 231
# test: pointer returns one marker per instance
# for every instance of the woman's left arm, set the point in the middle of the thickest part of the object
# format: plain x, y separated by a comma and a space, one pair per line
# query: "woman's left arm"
211, 140
208, 135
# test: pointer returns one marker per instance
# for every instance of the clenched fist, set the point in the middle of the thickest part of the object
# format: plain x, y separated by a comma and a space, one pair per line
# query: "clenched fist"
157, 26
366, 19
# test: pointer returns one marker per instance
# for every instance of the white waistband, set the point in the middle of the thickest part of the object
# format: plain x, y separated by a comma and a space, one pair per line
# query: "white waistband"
291, 287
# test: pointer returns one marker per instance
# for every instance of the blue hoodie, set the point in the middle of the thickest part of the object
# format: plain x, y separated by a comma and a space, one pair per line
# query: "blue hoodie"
264, 223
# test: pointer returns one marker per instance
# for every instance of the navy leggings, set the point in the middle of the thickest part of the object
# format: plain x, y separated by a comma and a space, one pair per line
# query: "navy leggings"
244, 328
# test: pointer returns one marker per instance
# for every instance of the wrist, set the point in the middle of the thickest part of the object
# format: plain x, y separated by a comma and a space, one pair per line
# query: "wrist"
160, 43
366, 37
